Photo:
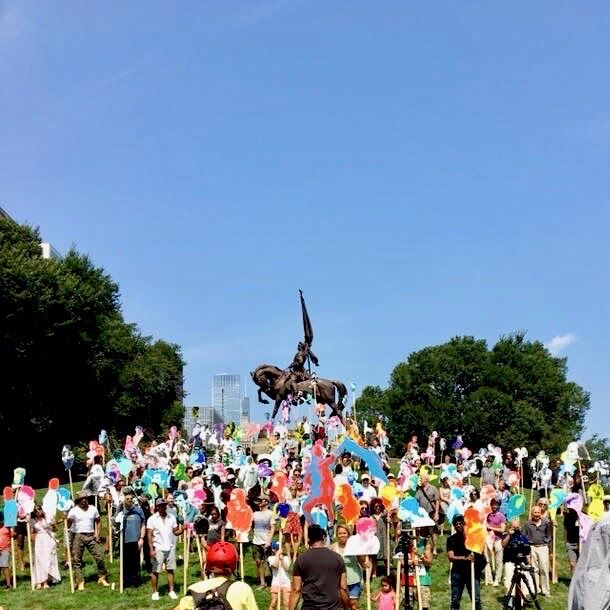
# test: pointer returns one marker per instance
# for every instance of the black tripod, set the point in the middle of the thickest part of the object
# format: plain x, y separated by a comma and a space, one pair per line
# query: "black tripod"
515, 598
404, 546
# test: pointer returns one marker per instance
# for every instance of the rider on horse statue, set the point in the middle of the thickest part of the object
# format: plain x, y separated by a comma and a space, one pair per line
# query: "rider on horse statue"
296, 368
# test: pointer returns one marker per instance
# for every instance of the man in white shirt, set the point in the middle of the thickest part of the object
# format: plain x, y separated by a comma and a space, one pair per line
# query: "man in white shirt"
368, 491
162, 529
84, 523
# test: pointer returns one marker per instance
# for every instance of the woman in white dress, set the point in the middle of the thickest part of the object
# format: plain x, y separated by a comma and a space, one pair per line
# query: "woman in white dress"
46, 567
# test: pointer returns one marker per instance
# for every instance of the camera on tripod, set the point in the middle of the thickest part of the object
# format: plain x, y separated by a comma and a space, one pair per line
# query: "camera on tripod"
518, 549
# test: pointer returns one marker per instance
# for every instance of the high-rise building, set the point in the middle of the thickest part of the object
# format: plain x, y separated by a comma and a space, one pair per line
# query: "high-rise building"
226, 397
245, 408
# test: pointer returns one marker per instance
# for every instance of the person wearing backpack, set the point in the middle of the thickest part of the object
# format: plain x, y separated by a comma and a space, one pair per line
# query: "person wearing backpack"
219, 592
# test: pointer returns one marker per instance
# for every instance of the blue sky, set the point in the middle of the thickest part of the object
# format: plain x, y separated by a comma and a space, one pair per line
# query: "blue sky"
420, 171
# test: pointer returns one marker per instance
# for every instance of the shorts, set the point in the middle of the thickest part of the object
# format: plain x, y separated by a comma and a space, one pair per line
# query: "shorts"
164, 557
354, 591
4, 557
572, 551
259, 552
285, 589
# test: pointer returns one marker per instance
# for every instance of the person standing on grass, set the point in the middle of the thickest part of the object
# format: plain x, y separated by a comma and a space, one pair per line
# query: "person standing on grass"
5, 546
496, 525
162, 529
263, 527
280, 581
538, 534
133, 524
386, 596
84, 522
319, 576
461, 560
353, 566
46, 566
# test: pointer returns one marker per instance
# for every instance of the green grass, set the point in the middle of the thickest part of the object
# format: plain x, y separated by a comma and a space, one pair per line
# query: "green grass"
95, 597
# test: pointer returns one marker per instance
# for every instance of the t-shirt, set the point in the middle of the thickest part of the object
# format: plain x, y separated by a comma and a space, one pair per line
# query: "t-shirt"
279, 571
353, 571
5, 538
320, 570
83, 521
488, 476
214, 531
386, 601
163, 531
239, 594
427, 497
496, 519
262, 521
132, 518
456, 543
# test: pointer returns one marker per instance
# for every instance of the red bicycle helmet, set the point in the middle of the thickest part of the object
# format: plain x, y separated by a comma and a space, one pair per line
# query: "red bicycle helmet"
222, 555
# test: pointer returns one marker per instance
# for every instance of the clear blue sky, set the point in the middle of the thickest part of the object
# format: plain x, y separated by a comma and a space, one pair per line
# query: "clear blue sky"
419, 170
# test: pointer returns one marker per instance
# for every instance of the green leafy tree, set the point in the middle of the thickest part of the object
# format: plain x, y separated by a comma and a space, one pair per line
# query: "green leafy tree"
71, 365
514, 394
598, 448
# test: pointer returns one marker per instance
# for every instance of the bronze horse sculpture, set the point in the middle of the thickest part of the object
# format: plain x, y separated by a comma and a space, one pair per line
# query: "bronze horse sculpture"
280, 385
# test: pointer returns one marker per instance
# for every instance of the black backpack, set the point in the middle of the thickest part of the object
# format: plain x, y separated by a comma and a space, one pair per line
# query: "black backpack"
214, 599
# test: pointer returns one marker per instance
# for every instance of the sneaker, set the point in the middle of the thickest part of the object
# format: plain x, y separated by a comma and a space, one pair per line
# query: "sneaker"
102, 581
172, 595
81, 586
155, 596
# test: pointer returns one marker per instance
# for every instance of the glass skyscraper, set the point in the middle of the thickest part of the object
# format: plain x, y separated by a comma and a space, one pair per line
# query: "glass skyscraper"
226, 397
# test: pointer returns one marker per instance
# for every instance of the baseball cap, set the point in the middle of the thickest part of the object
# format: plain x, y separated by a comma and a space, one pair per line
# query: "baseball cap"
366, 477
160, 502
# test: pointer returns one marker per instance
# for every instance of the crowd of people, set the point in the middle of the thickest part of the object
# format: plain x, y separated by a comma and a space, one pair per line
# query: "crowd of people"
307, 495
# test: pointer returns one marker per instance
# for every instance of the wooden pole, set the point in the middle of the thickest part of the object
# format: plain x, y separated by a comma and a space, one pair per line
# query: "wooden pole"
529, 515
109, 507
69, 555
201, 558
368, 587
13, 562
29, 533
582, 485
554, 575
387, 548
70, 479
417, 586
121, 573
279, 567
241, 559
187, 544
472, 594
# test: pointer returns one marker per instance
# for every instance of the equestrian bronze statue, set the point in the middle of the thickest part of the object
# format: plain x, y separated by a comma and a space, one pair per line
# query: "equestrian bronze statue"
296, 383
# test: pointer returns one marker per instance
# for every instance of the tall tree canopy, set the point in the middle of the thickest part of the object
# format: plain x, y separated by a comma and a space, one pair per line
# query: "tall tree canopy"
514, 394
71, 366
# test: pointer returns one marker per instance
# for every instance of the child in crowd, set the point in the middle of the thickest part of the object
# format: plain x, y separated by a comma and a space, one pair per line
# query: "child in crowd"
280, 581
386, 597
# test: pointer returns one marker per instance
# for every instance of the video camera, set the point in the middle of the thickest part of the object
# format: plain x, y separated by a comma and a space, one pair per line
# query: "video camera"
518, 548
